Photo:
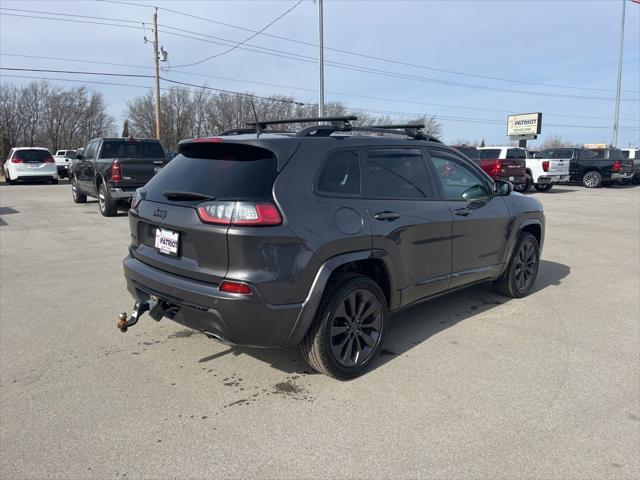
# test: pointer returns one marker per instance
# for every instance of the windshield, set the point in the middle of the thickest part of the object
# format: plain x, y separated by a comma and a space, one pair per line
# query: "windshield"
131, 149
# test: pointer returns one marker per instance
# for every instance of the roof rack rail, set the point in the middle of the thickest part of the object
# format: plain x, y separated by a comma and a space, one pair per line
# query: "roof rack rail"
263, 124
413, 131
246, 131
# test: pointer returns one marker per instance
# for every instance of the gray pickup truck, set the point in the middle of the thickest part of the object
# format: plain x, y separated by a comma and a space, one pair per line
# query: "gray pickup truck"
111, 169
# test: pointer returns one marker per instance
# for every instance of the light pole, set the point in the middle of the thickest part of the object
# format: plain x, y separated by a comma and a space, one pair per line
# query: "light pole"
616, 119
320, 61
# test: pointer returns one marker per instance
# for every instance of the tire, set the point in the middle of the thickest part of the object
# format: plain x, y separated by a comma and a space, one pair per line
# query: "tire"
592, 179
524, 188
336, 343
519, 277
108, 207
54, 181
543, 187
78, 196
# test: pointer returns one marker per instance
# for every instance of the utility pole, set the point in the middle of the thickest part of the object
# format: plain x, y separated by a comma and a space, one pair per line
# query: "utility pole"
156, 61
616, 119
320, 60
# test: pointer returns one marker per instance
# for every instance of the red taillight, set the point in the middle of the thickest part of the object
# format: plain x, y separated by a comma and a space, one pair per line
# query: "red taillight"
491, 166
207, 140
616, 166
545, 165
17, 160
235, 287
49, 160
116, 171
239, 213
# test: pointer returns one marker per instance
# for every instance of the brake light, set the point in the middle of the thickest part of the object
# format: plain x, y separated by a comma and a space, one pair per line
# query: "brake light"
17, 160
49, 160
545, 165
235, 287
616, 166
116, 171
207, 140
491, 166
239, 213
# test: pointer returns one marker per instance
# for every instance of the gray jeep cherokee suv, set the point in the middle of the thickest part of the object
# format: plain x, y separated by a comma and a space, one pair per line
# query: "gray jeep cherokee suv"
312, 238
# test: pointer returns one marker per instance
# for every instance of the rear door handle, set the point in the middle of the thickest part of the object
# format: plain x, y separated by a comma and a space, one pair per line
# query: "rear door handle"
386, 216
462, 212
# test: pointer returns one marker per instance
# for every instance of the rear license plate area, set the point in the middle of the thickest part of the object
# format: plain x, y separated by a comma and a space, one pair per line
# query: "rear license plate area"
167, 242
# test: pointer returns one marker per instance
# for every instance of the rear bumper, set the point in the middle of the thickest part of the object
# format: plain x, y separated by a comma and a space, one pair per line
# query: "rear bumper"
621, 175
121, 193
63, 170
234, 319
36, 175
543, 179
515, 179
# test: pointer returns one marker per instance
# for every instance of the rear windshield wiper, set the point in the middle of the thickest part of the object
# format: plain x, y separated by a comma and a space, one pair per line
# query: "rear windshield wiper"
181, 195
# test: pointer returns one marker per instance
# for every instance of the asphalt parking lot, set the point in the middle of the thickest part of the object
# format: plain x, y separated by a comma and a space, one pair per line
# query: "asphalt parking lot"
471, 385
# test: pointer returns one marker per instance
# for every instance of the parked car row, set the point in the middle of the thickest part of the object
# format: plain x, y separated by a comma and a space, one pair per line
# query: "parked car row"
593, 167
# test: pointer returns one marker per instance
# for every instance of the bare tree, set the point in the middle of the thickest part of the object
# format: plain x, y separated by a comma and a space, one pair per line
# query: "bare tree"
40, 114
556, 141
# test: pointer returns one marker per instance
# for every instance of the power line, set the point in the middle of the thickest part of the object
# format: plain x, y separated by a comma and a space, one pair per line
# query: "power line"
346, 66
354, 95
364, 55
131, 75
471, 120
243, 41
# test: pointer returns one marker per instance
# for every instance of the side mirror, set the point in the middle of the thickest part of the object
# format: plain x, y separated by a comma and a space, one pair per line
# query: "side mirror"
502, 188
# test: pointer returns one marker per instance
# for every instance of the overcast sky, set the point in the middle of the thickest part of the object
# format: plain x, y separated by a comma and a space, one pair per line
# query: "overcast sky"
567, 49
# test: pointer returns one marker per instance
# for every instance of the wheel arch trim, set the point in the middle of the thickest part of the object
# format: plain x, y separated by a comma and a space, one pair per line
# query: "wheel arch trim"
312, 302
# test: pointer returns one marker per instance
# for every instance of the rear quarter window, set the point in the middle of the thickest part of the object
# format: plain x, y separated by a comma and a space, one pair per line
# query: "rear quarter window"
340, 174
516, 153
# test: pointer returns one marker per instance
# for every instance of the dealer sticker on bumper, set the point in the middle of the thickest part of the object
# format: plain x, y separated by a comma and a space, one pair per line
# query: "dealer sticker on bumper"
167, 241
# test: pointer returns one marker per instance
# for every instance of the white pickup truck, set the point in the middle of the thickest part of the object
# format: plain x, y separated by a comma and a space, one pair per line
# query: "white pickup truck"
63, 158
548, 167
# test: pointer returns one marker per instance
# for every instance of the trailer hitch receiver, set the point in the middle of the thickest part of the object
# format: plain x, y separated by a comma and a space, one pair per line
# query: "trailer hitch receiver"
124, 321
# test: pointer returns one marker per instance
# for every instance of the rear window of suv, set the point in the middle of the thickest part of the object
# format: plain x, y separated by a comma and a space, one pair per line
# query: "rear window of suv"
222, 171
32, 155
131, 149
489, 153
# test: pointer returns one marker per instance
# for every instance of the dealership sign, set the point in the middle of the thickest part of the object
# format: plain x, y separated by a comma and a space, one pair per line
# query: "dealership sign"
524, 124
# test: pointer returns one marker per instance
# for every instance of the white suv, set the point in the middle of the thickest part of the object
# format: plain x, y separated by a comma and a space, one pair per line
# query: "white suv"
30, 163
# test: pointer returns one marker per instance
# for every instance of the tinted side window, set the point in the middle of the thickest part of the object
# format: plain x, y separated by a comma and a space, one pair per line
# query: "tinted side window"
90, 151
458, 180
397, 173
340, 174
625, 153
516, 153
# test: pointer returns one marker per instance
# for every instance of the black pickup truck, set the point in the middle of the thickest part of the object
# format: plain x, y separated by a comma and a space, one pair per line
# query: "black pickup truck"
594, 167
111, 169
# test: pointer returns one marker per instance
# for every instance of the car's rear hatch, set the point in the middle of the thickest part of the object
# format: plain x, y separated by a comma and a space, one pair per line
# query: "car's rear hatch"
137, 160
205, 182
